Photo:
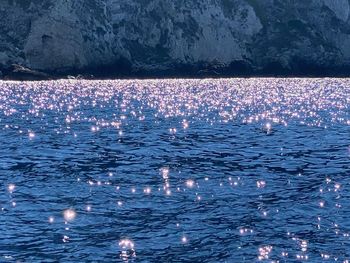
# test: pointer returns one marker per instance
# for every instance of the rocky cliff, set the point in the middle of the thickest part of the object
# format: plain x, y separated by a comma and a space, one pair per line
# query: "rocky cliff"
222, 36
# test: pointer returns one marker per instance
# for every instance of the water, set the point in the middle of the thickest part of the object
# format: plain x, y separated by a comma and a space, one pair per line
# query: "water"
230, 170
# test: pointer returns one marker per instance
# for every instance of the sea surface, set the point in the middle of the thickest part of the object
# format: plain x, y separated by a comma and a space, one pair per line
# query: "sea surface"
211, 170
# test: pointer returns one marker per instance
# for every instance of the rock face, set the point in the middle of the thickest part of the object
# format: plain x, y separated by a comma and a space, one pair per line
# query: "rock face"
18, 72
160, 35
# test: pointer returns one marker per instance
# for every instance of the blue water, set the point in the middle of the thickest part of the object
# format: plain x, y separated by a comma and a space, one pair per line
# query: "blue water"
230, 170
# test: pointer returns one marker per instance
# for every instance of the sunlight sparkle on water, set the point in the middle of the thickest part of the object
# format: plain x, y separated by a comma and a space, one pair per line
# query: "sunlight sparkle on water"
127, 248
126, 244
304, 245
261, 184
264, 252
69, 215
165, 173
232, 164
11, 188
147, 190
190, 183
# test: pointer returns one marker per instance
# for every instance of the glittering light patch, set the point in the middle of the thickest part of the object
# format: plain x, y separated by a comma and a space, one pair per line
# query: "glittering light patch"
127, 249
11, 188
190, 183
264, 252
69, 215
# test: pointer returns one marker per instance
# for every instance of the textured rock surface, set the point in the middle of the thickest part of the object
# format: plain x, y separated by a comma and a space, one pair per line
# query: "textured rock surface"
155, 35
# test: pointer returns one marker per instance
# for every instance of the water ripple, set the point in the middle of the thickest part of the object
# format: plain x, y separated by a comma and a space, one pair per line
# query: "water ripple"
224, 170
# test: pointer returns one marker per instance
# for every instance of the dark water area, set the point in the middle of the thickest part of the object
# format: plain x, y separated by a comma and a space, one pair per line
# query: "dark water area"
225, 170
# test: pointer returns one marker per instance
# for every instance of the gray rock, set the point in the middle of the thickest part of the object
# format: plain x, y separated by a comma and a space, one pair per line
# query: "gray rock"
3, 58
155, 35
340, 8
19, 72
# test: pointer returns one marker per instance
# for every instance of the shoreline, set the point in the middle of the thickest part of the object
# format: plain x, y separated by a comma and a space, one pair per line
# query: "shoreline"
174, 78
21, 73
58, 78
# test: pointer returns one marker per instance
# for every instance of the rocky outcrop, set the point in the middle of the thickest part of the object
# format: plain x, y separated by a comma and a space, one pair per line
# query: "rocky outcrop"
220, 36
340, 8
18, 72
69, 36
184, 31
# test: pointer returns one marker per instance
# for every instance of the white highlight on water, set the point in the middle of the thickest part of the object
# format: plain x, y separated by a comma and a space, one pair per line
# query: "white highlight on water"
69, 215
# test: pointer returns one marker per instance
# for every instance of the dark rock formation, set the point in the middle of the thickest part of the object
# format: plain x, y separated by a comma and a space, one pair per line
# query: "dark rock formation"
18, 72
166, 37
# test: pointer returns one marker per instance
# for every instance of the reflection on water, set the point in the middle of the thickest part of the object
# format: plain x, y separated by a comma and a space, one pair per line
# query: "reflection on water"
235, 170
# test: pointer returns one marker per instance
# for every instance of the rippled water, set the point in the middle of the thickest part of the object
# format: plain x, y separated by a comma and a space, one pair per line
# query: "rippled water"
230, 170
